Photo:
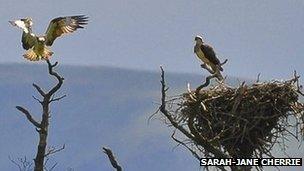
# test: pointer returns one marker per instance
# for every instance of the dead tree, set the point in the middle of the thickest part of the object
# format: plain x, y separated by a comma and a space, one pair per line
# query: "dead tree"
226, 122
42, 127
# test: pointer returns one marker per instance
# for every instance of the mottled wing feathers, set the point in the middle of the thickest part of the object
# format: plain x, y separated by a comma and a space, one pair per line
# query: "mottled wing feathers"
28, 40
210, 55
63, 25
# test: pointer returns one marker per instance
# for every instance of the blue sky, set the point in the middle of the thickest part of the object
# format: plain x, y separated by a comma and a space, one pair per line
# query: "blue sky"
256, 36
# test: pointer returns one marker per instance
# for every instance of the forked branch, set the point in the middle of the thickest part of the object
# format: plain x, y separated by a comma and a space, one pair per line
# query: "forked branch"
55, 74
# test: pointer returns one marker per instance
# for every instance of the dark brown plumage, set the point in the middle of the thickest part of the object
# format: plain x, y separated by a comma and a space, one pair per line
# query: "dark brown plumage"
63, 25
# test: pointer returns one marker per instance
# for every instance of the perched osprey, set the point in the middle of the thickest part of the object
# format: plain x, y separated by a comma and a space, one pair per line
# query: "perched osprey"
38, 46
207, 55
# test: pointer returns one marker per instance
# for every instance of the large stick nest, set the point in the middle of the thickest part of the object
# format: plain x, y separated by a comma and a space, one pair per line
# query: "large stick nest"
245, 121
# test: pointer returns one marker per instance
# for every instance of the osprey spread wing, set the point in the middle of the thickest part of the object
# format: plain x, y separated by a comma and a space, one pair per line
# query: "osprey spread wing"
38, 46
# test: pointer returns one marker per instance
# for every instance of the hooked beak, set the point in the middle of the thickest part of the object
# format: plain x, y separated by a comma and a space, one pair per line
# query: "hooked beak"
12, 23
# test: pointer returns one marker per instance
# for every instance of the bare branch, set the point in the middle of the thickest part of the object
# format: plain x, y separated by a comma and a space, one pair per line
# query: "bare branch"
55, 74
163, 109
49, 168
179, 142
38, 100
53, 167
15, 163
223, 63
29, 116
55, 64
58, 98
112, 159
22, 163
41, 92
296, 80
53, 150
207, 82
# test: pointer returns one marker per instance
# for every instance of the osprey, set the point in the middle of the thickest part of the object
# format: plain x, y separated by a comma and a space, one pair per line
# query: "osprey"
38, 46
207, 55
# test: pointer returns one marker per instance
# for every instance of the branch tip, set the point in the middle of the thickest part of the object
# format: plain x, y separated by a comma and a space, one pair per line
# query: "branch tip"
28, 116
112, 159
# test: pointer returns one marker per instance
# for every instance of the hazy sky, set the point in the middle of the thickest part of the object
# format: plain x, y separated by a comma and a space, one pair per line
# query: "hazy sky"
256, 36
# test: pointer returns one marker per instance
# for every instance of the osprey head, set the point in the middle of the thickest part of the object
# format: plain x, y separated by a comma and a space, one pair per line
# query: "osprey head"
198, 38
25, 24
28, 21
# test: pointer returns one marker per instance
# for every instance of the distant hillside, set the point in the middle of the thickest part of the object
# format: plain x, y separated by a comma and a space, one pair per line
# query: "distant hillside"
104, 106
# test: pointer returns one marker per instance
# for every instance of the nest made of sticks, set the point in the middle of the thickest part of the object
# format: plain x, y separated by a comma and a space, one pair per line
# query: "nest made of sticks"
245, 121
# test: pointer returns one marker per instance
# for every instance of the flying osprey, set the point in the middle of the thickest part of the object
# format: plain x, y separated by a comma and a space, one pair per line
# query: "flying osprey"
38, 46
207, 55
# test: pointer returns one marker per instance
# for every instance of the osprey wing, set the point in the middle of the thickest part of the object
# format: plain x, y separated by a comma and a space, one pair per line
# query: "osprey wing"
63, 25
210, 54
28, 40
